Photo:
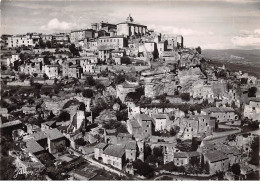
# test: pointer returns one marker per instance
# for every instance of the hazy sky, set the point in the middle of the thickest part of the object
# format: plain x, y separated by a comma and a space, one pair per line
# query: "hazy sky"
210, 24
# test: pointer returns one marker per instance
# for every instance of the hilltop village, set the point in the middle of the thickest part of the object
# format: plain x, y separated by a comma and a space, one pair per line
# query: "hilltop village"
120, 102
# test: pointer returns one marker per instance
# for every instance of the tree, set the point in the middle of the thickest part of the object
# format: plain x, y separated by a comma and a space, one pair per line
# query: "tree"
143, 168
120, 78
42, 44
100, 87
158, 151
23, 76
88, 93
175, 130
170, 166
231, 137
207, 168
198, 49
185, 96
202, 163
235, 168
125, 60
90, 81
48, 44
147, 151
74, 50
64, 116
252, 92
80, 142
194, 144
3, 67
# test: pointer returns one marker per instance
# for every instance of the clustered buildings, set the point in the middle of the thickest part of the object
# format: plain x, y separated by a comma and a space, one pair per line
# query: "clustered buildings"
169, 96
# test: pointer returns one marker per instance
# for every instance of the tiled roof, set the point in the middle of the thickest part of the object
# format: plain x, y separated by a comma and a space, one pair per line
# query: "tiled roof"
38, 136
33, 147
129, 85
54, 134
218, 109
101, 145
180, 155
193, 154
215, 156
134, 123
75, 66
143, 117
115, 150
159, 116
10, 123
227, 149
48, 123
124, 135
131, 145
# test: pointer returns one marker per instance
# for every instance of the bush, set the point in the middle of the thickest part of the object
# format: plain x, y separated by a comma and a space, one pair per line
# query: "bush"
88, 93
185, 96
90, 81
64, 116
235, 168
143, 168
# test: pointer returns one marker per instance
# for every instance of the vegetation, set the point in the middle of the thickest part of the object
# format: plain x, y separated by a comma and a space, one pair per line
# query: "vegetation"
143, 168
64, 116
88, 93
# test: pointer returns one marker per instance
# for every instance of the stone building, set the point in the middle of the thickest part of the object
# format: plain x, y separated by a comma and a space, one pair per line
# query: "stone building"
80, 35
52, 71
141, 126
123, 89
130, 28
20, 40
252, 109
196, 126
217, 161
222, 114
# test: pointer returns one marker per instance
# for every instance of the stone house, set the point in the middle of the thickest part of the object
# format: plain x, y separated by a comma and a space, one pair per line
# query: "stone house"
75, 71
51, 140
222, 114
252, 110
217, 160
114, 155
52, 71
234, 155
160, 121
98, 150
141, 126
180, 158
196, 126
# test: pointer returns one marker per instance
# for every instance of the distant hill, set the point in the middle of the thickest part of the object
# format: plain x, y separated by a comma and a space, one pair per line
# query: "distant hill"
236, 59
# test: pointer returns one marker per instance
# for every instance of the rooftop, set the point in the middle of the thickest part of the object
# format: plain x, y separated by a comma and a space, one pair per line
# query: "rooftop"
115, 150
218, 109
134, 123
180, 155
101, 145
11, 123
54, 134
131, 145
33, 147
215, 156
143, 117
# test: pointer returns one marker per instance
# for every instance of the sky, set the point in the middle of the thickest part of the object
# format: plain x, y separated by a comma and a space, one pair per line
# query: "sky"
211, 24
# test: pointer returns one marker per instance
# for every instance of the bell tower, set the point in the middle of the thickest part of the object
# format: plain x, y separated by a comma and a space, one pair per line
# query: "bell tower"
129, 18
